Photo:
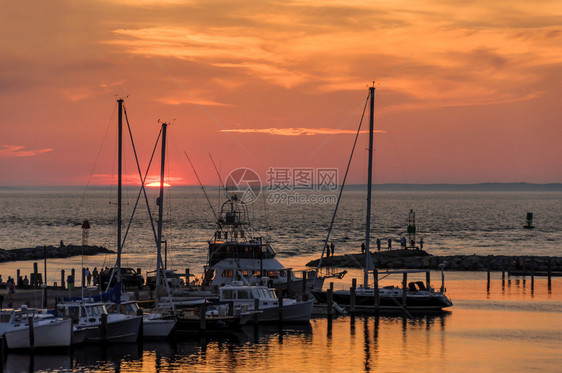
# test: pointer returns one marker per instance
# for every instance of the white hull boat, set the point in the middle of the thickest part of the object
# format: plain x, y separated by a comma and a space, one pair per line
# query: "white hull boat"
47, 333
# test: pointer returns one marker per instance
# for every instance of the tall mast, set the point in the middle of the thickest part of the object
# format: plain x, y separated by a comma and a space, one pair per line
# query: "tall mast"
160, 208
369, 187
119, 187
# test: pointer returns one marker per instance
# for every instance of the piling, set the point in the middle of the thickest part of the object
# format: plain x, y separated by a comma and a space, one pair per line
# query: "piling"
187, 277
203, 317
532, 276
256, 310
62, 279
231, 308
18, 278
31, 334
140, 336
488, 279
103, 326
404, 289
280, 310
330, 297
352, 296
549, 274
289, 281
376, 293
304, 294
73, 274
427, 279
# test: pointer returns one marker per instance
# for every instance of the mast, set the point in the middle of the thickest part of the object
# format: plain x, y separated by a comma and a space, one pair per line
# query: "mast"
160, 208
119, 187
369, 187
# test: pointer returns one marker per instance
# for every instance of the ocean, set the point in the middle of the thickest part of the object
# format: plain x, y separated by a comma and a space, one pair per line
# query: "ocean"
512, 326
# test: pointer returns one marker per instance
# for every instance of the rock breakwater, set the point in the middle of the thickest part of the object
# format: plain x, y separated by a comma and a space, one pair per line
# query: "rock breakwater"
419, 259
39, 252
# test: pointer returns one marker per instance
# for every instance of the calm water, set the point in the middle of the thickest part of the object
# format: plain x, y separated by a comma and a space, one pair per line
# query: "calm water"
509, 328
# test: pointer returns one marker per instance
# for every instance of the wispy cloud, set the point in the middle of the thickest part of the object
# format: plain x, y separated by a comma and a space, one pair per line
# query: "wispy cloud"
13, 151
300, 131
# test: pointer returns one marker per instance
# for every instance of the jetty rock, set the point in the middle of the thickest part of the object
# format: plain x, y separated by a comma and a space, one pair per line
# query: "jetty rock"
420, 259
39, 252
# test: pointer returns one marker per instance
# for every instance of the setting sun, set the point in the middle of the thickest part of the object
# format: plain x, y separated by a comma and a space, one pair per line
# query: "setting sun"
156, 184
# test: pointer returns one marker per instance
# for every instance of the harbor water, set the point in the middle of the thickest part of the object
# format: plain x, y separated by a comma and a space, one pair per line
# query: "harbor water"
515, 324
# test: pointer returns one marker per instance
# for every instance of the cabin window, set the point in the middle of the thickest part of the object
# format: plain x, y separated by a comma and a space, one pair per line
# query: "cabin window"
282, 273
228, 294
256, 273
244, 294
227, 273
272, 274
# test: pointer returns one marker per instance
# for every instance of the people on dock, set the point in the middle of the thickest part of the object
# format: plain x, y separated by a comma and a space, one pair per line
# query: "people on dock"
327, 251
11, 286
363, 248
1, 282
403, 242
95, 276
25, 282
390, 244
332, 247
421, 243
88, 276
378, 244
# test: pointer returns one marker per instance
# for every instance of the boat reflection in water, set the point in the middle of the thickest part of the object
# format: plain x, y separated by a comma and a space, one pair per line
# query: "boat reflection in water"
300, 344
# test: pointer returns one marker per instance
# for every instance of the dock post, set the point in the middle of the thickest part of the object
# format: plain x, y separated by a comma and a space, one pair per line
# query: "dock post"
187, 277
73, 274
532, 276
62, 279
549, 274
376, 293
488, 279
140, 336
256, 310
404, 289
442, 280
304, 294
18, 278
281, 310
203, 317
103, 326
330, 300
427, 279
352, 297
231, 308
31, 334
289, 281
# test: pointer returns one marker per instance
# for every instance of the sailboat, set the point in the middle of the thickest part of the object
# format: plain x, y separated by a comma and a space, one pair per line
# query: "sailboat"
417, 296
91, 314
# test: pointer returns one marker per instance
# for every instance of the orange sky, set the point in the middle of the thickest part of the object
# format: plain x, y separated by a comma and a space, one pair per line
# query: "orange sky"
466, 92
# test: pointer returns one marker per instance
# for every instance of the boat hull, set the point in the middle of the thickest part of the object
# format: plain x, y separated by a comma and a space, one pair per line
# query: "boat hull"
157, 328
297, 312
390, 302
120, 329
46, 334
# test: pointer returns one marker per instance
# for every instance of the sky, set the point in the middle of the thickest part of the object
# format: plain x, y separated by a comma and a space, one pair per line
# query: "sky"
466, 92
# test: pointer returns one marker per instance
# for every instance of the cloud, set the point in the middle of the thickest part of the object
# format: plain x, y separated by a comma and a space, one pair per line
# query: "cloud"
13, 151
297, 131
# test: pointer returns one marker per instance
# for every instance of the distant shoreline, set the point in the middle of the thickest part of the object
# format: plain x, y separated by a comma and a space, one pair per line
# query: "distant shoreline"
390, 187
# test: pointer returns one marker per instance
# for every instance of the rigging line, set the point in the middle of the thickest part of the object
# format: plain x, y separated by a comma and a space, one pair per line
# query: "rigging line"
201, 185
203, 108
342, 186
336, 130
142, 179
397, 69
221, 185
97, 156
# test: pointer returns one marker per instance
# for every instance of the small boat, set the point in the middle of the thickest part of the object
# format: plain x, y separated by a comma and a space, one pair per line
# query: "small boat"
157, 324
419, 298
45, 330
271, 308
217, 319
99, 325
